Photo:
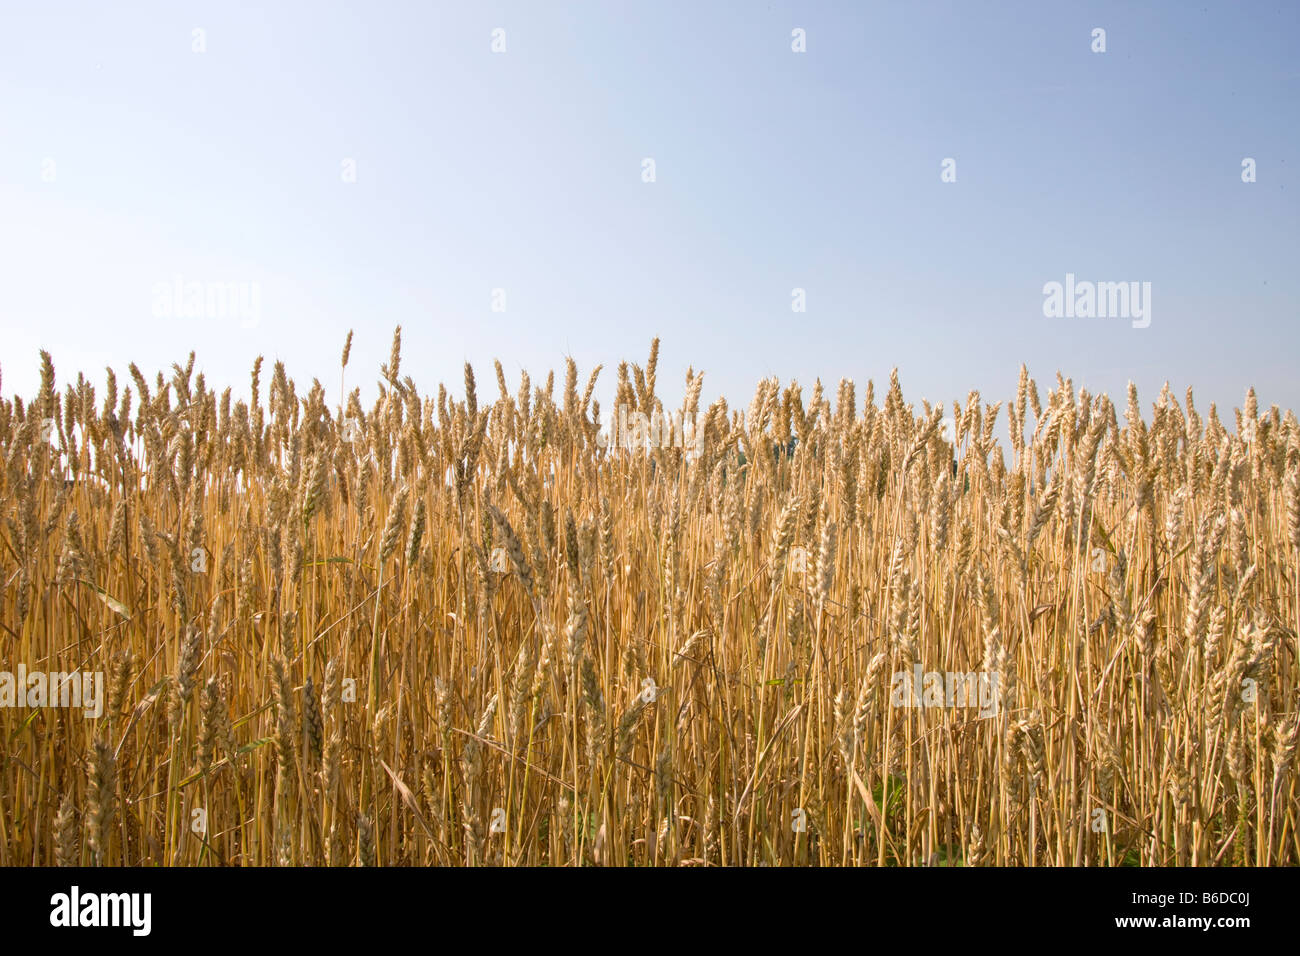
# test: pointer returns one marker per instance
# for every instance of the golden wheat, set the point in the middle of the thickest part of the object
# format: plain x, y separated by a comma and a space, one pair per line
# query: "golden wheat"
538, 641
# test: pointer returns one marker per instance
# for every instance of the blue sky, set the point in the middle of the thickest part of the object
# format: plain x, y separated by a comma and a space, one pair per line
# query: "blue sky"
522, 171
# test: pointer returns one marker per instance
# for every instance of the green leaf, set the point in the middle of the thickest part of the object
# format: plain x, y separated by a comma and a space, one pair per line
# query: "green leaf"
248, 748
112, 602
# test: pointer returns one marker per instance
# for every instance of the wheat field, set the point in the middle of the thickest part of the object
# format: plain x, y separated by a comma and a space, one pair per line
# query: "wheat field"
454, 630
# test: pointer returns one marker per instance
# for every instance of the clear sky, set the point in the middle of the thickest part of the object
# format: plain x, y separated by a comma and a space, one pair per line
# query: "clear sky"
128, 159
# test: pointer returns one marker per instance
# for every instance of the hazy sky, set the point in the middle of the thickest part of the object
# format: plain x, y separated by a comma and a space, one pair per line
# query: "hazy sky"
128, 159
